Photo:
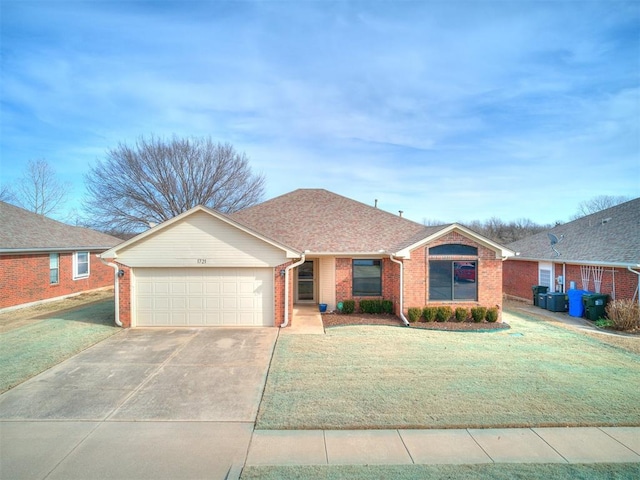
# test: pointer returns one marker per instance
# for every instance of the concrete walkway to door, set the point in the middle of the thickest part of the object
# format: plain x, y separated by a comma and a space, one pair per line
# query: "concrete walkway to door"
306, 320
143, 404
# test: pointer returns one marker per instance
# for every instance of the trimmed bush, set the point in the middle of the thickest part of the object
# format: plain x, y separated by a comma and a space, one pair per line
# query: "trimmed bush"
414, 314
443, 314
461, 314
387, 307
371, 306
348, 306
429, 314
492, 315
624, 314
478, 314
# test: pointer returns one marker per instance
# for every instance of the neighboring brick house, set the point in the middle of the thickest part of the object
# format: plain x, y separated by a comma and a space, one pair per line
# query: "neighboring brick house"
42, 259
308, 246
599, 253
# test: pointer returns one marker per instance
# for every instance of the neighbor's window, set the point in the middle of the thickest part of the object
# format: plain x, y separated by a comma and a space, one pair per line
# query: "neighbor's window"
452, 280
81, 264
367, 278
54, 268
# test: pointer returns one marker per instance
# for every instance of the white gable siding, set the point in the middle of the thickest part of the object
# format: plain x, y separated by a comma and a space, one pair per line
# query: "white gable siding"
327, 282
201, 240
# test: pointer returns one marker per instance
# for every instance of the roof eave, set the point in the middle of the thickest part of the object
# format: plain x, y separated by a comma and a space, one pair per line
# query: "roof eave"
358, 253
576, 262
17, 251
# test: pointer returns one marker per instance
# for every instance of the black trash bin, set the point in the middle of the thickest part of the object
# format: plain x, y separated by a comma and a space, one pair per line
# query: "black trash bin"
595, 305
542, 300
537, 290
557, 302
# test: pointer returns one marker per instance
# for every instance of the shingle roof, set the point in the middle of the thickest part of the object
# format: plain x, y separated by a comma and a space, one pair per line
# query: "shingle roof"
324, 222
22, 230
611, 236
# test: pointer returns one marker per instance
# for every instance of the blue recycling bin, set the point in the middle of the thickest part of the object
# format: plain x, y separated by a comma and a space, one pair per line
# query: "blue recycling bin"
576, 307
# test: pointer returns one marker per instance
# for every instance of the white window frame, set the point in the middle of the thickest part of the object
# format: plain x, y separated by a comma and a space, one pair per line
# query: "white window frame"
56, 257
545, 267
76, 264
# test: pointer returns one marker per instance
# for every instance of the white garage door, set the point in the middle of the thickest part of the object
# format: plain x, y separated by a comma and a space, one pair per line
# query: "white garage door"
204, 296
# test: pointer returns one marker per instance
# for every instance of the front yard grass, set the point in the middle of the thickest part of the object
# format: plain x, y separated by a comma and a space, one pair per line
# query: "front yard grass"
533, 375
36, 346
493, 471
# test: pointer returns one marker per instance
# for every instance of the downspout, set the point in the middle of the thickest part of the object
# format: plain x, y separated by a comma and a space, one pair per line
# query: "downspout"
286, 288
116, 287
406, 322
637, 289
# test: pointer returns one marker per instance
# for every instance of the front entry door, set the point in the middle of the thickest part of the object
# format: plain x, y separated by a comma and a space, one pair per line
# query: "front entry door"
306, 282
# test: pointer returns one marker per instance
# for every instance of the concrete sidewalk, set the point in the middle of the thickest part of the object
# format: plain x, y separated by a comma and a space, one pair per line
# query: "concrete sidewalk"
466, 446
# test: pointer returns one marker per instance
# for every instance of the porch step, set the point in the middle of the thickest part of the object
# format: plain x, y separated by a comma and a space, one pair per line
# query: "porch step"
306, 320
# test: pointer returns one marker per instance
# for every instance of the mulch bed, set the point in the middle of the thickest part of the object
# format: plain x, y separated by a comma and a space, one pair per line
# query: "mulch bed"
338, 320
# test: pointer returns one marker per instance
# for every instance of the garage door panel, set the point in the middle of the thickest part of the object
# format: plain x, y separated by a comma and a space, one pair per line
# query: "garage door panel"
195, 288
229, 288
204, 296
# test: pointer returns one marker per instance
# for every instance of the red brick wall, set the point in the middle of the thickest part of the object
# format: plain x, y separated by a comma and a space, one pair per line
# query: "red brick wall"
124, 291
520, 276
25, 278
625, 282
344, 280
278, 293
390, 282
489, 275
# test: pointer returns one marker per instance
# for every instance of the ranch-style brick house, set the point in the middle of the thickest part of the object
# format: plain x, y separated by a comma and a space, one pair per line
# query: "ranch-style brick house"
42, 259
308, 246
597, 253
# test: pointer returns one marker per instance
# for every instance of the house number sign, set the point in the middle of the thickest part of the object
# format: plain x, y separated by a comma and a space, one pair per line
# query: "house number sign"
201, 261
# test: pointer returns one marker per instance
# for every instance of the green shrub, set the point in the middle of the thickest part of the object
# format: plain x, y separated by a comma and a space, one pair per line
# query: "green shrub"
605, 323
371, 306
478, 314
414, 314
461, 314
625, 314
443, 314
376, 306
492, 315
348, 306
429, 314
387, 307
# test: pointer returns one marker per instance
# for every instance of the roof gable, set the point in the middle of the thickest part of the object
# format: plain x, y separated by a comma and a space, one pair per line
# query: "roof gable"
611, 236
500, 250
198, 217
25, 231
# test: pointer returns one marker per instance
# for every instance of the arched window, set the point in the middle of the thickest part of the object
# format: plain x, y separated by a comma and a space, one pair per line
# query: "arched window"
453, 249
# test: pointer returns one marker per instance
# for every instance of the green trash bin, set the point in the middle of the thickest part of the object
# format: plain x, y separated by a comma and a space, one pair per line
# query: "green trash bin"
595, 305
537, 290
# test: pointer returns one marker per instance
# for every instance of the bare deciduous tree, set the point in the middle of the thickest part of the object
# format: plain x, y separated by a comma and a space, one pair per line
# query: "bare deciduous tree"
39, 190
6, 194
506, 232
596, 204
157, 179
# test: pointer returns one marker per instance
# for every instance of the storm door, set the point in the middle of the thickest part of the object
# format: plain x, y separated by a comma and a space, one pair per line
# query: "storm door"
306, 282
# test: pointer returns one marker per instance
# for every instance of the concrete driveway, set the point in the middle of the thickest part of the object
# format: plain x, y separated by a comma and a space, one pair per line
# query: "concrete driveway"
145, 403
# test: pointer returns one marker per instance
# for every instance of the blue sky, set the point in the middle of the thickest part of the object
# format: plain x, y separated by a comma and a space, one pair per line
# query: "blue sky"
448, 110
